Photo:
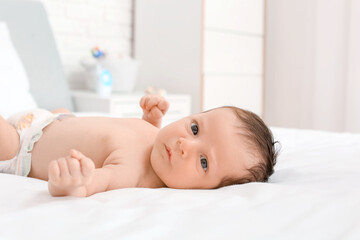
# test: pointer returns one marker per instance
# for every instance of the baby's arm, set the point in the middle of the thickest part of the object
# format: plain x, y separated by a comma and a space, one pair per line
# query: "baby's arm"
154, 108
76, 176
60, 110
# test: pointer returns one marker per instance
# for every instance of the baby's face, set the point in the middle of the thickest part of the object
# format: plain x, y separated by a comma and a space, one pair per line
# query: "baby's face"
200, 150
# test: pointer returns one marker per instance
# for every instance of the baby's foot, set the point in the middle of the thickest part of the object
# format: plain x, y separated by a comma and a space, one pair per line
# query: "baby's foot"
69, 176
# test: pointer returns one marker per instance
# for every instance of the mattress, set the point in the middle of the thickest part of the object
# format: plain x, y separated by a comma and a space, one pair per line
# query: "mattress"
313, 194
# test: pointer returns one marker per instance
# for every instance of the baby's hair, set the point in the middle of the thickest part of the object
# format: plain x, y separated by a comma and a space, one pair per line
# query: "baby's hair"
259, 138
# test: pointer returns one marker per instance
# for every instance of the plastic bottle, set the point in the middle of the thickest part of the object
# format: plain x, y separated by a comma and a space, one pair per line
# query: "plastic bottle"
104, 81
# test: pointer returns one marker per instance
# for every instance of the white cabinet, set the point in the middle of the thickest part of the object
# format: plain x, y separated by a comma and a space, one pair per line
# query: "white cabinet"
210, 49
127, 105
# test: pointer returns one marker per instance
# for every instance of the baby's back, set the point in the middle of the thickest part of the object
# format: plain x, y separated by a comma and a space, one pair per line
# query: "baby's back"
95, 137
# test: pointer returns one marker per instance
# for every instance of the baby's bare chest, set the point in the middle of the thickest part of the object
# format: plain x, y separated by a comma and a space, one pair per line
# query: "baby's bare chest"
97, 138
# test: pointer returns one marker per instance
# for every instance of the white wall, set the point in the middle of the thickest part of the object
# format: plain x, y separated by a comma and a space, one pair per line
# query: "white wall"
312, 53
289, 62
210, 49
233, 54
168, 43
352, 110
79, 25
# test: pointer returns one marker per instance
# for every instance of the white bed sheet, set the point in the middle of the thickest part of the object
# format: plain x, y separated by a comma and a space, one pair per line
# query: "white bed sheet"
314, 194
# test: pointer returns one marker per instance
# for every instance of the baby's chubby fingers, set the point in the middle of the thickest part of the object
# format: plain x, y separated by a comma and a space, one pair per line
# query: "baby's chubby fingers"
159, 102
76, 154
58, 172
74, 166
164, 105
63, 166
143, 101
54, 171
87, 166
149, 101
155, 113
74, 171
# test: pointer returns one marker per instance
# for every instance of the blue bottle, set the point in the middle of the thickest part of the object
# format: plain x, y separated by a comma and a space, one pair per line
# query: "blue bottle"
104, 85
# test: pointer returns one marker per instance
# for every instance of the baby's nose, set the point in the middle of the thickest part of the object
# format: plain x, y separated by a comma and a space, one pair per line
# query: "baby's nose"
184, 146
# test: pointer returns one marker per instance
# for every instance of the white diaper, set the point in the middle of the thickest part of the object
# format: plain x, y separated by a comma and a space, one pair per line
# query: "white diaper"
29, 125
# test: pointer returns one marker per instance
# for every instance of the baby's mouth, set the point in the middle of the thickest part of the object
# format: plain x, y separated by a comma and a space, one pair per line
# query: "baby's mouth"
168, 150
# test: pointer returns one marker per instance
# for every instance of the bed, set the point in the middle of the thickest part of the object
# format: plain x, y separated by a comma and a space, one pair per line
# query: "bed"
313, 194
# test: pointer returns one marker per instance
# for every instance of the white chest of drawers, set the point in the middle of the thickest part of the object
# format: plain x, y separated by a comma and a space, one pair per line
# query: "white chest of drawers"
127, 105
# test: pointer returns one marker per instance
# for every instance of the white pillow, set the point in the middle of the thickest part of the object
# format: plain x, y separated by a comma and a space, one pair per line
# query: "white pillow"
14, 84
15, 101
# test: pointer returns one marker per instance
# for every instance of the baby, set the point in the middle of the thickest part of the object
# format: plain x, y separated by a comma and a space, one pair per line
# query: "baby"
80, 156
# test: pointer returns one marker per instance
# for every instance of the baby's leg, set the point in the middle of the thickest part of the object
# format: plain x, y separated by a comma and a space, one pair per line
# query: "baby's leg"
9, 140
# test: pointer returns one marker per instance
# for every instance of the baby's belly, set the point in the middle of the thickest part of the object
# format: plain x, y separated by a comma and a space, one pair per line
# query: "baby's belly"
70, 133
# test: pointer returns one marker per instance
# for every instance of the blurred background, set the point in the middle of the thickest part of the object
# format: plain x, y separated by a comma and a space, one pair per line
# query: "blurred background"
296, 63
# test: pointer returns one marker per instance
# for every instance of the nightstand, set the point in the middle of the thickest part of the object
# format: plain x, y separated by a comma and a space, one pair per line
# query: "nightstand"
126, 105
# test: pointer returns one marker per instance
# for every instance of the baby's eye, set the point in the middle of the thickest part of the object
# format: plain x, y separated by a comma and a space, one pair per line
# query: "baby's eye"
203, 162
194, 128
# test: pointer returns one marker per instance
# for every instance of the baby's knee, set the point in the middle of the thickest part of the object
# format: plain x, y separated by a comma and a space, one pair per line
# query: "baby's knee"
9, 140
2, 120
3, 125
61, 110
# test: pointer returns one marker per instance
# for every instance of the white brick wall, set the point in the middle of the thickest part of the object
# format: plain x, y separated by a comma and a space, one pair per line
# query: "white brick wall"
79, 25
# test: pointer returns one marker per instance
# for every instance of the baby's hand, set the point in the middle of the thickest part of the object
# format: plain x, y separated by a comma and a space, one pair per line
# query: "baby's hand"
68, 176
154, 108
